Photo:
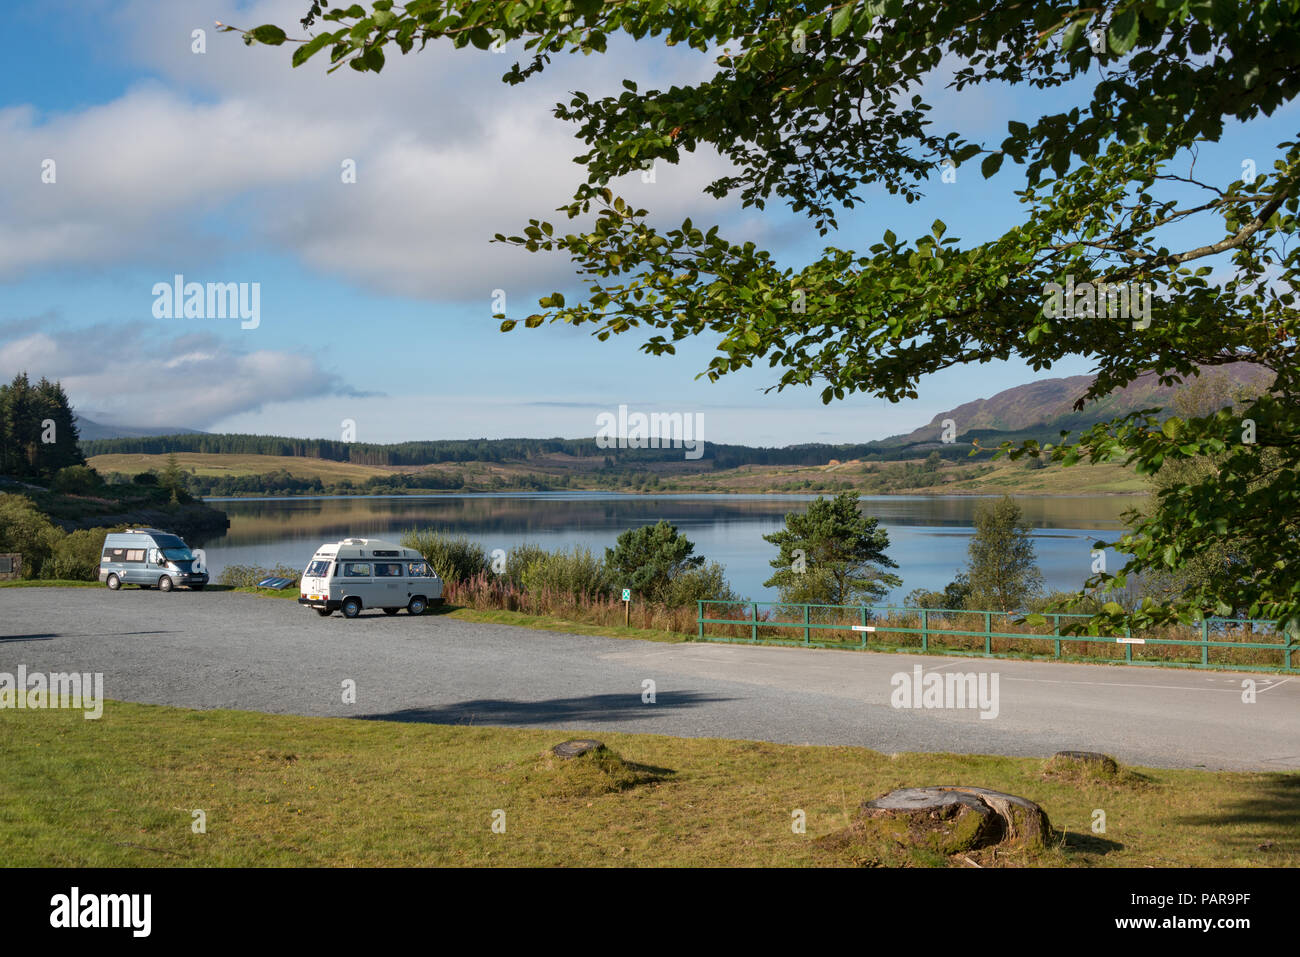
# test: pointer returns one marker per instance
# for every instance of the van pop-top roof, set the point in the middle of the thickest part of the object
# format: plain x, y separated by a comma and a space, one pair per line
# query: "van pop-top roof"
367, 548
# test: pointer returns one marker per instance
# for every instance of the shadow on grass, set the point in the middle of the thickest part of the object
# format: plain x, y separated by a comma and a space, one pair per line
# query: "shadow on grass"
1265, 817
590, 708
1084, 843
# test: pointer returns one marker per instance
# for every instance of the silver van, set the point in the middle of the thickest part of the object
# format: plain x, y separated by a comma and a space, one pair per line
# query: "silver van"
150, 558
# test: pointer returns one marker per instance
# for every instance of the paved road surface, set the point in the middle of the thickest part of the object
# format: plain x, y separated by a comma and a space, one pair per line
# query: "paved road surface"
234, 650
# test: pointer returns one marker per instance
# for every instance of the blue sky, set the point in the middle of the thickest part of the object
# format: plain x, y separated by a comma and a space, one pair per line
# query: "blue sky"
376, 296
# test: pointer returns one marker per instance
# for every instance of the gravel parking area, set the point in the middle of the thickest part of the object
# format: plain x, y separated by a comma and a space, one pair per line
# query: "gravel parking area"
237, 650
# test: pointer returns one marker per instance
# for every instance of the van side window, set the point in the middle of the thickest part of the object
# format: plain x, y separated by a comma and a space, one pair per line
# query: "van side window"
356, 570
115, 554
135, 555
417, 570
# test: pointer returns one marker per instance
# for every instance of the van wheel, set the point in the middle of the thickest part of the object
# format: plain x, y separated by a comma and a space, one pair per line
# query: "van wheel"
417, 606
324, 612
351, 607
164, 584
113, 582
391, 611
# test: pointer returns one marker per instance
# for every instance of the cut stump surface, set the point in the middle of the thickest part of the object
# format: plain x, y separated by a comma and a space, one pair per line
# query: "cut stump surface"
955, 818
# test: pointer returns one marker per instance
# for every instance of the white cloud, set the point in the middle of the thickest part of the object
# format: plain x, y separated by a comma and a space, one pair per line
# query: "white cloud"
233, 150
128, 373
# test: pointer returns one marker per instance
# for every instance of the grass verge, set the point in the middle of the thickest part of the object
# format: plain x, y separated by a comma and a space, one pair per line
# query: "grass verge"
281, 790
549, 623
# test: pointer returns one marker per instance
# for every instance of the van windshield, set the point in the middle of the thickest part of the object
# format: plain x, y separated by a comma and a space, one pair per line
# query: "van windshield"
178, 554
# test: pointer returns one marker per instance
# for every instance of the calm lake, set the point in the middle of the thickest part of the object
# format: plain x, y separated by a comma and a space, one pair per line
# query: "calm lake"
928, 535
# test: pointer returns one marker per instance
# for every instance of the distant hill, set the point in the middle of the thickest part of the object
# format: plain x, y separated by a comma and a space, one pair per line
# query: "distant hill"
89, 429
1039, 410
1045, 408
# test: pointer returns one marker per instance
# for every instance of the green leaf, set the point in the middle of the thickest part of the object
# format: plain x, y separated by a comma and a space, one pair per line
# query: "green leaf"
308, 49
992, 163
1072, 33
843, 17
269, 34
1123, 32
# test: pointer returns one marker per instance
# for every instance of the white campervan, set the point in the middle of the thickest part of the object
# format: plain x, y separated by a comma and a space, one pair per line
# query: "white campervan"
359, 573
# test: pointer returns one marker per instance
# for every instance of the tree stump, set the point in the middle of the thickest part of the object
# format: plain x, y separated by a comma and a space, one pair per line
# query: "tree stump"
576, 748
953, 818
1101, 762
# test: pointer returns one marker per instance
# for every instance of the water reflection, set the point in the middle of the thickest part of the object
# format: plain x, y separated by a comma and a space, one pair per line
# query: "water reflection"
928, 534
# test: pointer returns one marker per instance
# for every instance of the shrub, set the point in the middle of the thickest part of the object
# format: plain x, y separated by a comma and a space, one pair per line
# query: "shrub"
574, 571
708, 583
144, 478
76, 555
24, 529
517, 561
77, 480
648, 558
924, 598
454, 558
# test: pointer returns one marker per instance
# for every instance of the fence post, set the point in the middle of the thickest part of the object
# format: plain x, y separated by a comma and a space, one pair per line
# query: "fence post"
925, 629
988, 636
699, 619
753, 628
864, 626
1056, 632
807, 632
1128, 646
1205, 641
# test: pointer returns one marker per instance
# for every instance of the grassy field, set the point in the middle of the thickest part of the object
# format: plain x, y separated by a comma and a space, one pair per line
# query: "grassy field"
204, 464
872, 478
887, 477
281, 790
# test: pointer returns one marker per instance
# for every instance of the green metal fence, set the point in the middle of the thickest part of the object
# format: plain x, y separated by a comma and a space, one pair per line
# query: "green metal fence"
865, 626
